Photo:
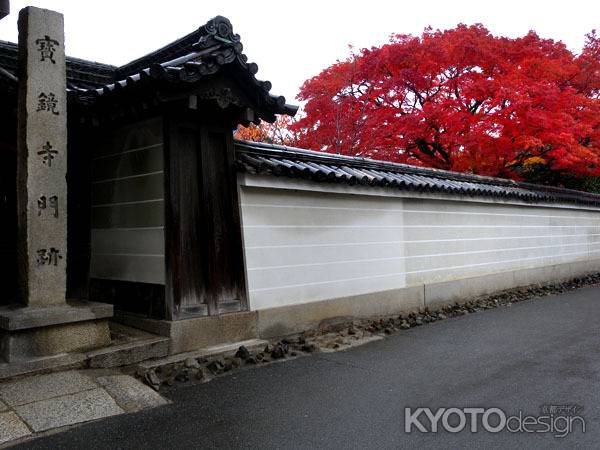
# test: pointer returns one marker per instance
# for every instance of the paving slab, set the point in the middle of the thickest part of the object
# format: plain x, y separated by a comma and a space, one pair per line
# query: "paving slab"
12, 427
43, 387
130, 394
69, 410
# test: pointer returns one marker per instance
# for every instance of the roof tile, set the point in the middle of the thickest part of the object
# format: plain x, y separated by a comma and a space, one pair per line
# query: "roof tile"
260, 158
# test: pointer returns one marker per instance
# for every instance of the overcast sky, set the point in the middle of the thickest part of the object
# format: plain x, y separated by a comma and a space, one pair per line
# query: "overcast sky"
294, 40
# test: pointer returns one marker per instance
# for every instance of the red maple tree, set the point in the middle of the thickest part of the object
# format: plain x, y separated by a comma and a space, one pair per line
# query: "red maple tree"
278, 132
463, 100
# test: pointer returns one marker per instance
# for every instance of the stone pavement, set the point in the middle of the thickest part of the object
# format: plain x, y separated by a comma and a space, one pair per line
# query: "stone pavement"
47, 402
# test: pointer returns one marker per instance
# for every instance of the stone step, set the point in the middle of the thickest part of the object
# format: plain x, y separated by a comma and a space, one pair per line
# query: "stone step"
130, 346
216, 350
30, 366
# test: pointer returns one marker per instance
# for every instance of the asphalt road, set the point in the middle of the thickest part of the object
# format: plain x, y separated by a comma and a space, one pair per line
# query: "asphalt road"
539, 352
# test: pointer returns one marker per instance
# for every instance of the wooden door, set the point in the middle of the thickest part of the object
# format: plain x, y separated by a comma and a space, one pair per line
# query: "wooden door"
203, 239
222, 230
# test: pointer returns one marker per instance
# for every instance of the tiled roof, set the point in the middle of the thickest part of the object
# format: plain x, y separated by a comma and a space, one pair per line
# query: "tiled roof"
208, 50
81, 74
205, 52
259, 158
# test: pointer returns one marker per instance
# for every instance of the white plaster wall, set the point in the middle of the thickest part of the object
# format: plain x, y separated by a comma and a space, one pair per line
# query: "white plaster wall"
127, 237
308, 245
311, 246
447, 240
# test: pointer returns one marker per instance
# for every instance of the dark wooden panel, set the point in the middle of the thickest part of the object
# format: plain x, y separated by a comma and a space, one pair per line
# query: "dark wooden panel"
203, 244
221, 212
185, 249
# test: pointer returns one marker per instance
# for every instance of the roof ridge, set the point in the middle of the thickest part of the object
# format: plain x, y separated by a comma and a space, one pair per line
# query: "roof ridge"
191, 59
218, 28
169, 51
71, 59
285, 152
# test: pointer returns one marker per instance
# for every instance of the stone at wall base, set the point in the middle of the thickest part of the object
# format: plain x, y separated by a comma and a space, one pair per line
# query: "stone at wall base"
198, 332
27, 332
291, 319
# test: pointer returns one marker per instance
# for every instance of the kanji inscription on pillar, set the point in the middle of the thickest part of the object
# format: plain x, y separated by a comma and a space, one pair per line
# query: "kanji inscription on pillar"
42, 162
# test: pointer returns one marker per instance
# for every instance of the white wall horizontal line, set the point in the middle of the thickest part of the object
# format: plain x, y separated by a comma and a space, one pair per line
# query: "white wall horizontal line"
503, 238
133, 150
465, 266
397, 274
462, 213
128, 228
436, 255
128, 177
412, 226
318, 283
424, 241
103, 205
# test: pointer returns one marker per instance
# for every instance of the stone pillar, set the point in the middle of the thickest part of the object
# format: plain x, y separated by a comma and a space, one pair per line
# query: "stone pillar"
42, 158
45, 331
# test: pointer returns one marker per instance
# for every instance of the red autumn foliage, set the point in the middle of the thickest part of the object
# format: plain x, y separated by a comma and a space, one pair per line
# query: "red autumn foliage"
462, 100
277, 132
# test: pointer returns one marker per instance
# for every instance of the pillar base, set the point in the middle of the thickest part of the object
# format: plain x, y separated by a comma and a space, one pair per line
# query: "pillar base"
33, 332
